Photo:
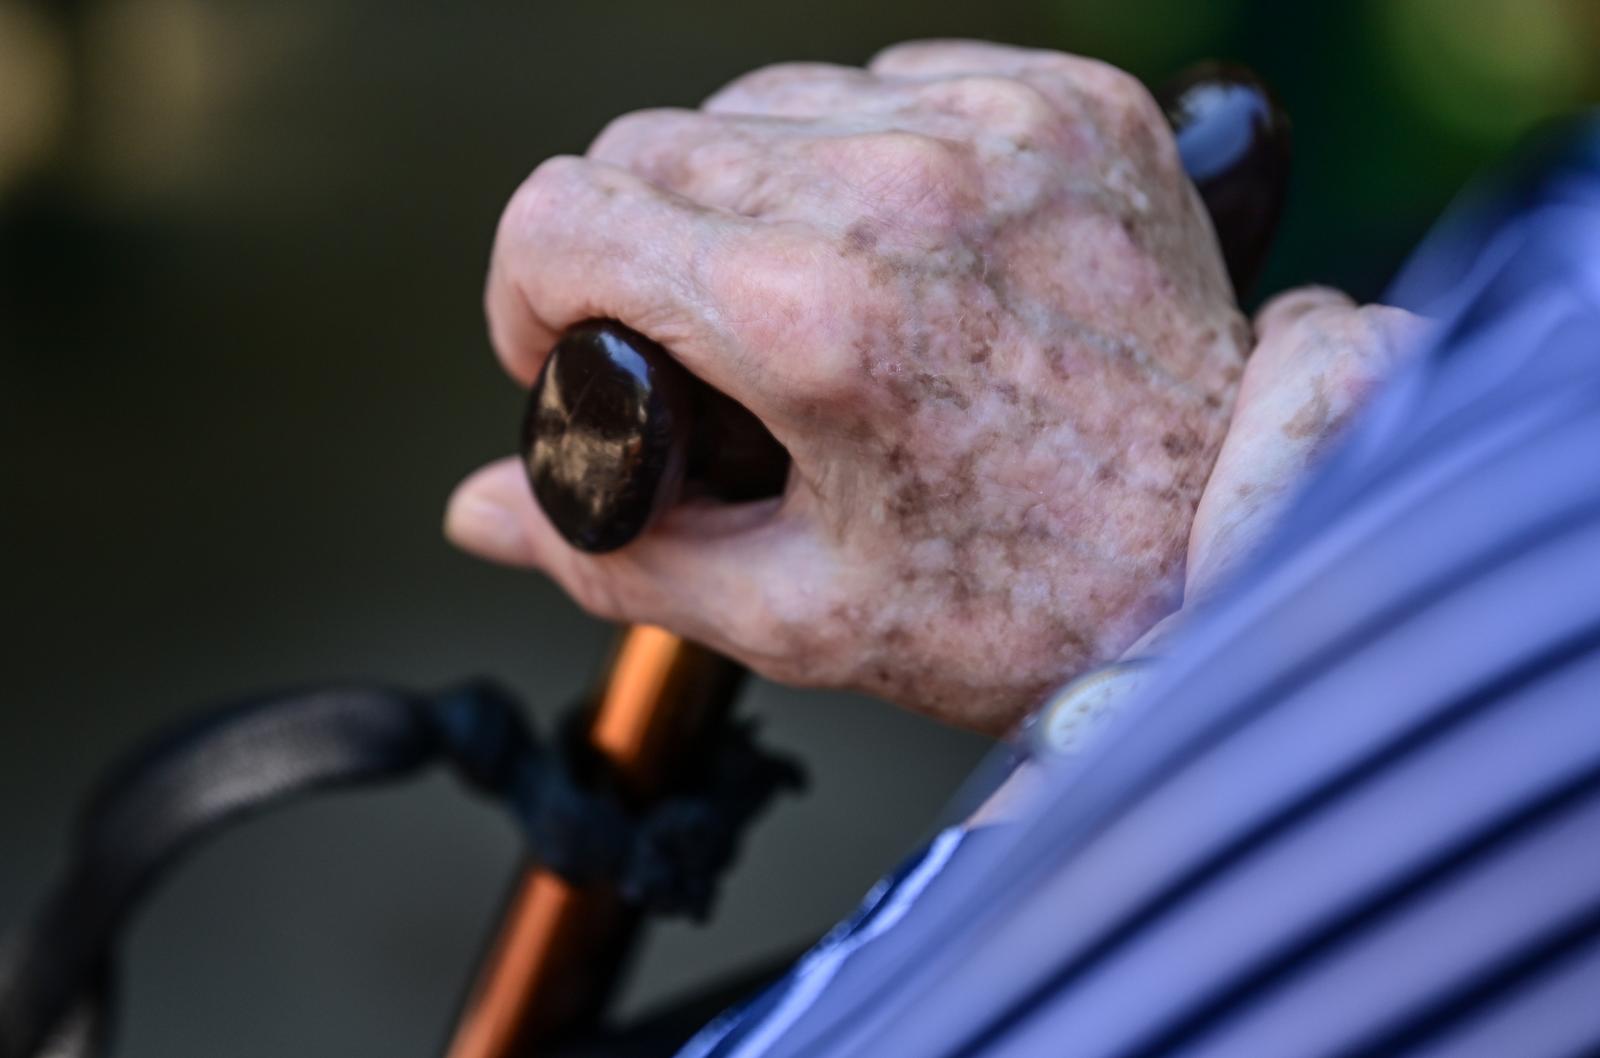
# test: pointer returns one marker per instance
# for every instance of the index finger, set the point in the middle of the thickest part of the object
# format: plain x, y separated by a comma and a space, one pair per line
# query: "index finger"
584, 240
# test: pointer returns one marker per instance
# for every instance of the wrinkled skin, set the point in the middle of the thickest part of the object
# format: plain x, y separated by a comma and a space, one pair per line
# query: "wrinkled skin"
972, 292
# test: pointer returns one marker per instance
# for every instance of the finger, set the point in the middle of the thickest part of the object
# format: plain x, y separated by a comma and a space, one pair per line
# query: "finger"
759, 311
851, 100
794, 90
1399, 334
1317, 360
942, 57
827, 175
943, 91
1290, 306
950, 58
753, 166
1068, 81
689, 574
583, 240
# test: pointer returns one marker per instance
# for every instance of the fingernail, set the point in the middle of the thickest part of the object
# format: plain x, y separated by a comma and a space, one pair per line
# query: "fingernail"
486, 529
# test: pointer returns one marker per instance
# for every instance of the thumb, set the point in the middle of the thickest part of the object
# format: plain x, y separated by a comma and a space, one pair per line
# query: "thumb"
1318, 357
705, 571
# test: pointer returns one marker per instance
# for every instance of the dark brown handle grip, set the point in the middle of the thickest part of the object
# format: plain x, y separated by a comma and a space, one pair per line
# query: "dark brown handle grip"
1234, 139
616, 429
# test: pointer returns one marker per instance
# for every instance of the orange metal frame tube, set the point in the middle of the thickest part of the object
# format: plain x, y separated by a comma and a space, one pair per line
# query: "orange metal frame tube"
559, 948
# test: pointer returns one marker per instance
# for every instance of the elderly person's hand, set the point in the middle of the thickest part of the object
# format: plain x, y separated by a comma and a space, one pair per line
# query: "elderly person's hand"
972, 292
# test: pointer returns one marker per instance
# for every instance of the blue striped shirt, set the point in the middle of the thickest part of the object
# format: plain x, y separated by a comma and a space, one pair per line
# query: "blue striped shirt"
1357, 809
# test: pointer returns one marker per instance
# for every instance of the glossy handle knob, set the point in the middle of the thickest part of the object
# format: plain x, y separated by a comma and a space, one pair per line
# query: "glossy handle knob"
1234, 139
617, 431
605, 437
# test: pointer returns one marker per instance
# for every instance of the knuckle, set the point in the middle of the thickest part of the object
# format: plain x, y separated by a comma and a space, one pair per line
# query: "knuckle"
917, 160
947, 53
623, 135
898, 54
1126, 97
1346, 346
1005, 104
915, 178
1112, 84
1119, 96
544, 196
767, 80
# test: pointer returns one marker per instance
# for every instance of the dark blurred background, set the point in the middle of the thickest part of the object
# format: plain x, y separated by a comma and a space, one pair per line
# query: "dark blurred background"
242, 363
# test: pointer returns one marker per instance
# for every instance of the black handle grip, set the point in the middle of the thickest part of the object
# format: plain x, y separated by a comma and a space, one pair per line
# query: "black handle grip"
616, 430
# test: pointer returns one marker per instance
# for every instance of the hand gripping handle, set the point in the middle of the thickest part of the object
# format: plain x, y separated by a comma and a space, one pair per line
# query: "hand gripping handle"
617, 431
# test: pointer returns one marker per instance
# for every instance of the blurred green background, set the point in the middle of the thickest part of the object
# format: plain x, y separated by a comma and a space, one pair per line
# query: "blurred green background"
242, 363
